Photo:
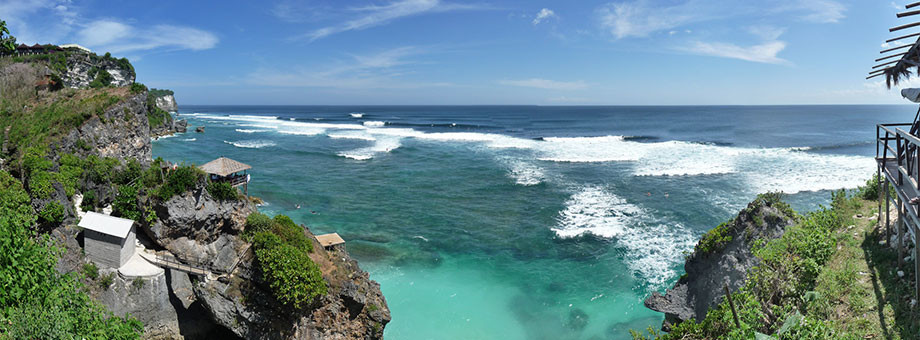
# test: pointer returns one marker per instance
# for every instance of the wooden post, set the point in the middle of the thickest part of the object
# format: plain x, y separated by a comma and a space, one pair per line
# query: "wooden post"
731, 304
916, 262
900, 226
887, 212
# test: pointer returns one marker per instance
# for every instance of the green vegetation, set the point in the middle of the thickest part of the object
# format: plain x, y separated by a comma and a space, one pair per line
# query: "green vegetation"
52, 212
90, 270
106, 281
222, 191
37, 302
157, 117
160, 93
827, 277
102, 79
282, 249
125, 204
7, 42
183, 179
137, 283
715, 239
138, 88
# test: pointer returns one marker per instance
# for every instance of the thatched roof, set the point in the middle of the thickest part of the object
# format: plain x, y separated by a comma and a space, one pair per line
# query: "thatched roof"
224, 166
897, 67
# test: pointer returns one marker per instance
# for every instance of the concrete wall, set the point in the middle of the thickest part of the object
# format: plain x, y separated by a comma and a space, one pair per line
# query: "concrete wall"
127, 247
105, 249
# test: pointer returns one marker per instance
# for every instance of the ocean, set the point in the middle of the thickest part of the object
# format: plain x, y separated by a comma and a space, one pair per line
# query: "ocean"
529, 222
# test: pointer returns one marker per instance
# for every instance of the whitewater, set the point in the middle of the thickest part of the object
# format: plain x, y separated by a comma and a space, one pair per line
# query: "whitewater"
515, 220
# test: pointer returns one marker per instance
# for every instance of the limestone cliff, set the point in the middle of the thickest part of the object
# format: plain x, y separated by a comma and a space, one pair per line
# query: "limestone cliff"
167, 103
82, 68
722, 257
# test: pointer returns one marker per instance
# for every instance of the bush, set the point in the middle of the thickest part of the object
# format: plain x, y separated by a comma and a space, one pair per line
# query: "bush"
257, 222
715, 239
90, 270
138, 88
157, 117
178, 181
53, 212
137, 283
291, 233
222, 191
89, 201
293, 277
106, 281
37, 302
103, 79
125, 204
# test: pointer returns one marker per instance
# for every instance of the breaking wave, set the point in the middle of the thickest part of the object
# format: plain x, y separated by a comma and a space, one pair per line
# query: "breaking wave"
251, 144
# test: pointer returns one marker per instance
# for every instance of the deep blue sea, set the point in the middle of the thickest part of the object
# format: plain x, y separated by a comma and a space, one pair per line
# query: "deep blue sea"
527, 222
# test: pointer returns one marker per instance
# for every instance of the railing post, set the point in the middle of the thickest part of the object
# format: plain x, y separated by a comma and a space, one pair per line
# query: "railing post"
899, 156
901, 236
887, 211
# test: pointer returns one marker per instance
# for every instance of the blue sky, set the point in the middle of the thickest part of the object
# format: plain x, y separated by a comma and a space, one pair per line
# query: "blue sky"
632, 52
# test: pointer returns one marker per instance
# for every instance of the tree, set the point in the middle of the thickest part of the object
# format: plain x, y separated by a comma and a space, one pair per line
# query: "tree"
7, 42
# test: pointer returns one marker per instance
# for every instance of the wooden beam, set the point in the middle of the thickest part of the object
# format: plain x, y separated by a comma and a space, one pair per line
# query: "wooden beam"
874, 75
902, 37
906, 14
881, 70
895, 48
898, 28
909, 6
888, 63
891, 56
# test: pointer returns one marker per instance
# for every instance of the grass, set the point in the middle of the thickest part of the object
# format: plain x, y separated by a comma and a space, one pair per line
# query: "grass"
827, 277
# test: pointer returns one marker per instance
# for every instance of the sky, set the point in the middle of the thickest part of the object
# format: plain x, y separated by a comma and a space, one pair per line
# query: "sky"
528, 52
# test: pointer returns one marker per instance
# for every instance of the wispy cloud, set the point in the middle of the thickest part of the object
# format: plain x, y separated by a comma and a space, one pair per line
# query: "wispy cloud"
761, 53
375, 15
543, 15
118, 37
546, 84
384, 69
641, 18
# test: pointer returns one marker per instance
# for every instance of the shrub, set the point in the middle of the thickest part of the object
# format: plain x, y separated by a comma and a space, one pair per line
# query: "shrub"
291, 233
89, 201
137, 283
130, 172
182, 179
90, 270
257, 222
106, 281
715, 239
157, 117
40, 184
293, 277
138, 88
125, 204
222, 191
103, 78
52, 212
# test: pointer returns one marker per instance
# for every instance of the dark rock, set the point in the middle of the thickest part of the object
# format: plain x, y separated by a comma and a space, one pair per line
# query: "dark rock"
181, 287
707, 273
181, 126
199, 129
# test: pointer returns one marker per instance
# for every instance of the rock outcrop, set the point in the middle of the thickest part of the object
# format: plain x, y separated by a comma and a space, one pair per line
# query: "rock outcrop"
708, 272
167, 103
80, 67
196, 228
122, 132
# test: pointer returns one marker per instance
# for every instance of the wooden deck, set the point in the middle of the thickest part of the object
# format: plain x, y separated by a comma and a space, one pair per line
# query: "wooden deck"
897, 154
170, 263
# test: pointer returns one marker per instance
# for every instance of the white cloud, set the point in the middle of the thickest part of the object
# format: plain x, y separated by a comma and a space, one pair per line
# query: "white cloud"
116, 37
546, 84
544, 14
375, 15
382, 70
762, 53
641, 18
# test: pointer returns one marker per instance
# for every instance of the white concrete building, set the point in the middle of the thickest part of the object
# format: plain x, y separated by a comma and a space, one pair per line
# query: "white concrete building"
107, 240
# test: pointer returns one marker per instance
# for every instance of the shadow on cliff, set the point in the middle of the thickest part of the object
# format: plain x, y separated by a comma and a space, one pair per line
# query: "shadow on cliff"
890, 289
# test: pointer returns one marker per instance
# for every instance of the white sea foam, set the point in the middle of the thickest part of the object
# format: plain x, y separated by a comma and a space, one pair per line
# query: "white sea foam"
190, 139
381, 145
374, 123
525, 173
303, 131
251, 144
250, 130
347, 135
356, 114
652, 249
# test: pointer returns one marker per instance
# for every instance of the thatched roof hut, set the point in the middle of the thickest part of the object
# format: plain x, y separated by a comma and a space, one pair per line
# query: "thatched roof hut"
896, 66
224, 166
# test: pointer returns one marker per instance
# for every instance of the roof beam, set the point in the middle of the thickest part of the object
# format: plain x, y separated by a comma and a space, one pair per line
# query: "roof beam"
895, 48
874, 75
909, 6
905, 14
902, 37
891, 56
888, 63
898, 28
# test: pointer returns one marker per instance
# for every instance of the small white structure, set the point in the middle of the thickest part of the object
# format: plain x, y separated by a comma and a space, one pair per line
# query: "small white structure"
84, 49
107, 240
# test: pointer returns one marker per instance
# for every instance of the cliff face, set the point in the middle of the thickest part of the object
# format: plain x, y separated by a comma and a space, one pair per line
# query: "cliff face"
195, 227
80, 64
122, 132
167, 103
708, 271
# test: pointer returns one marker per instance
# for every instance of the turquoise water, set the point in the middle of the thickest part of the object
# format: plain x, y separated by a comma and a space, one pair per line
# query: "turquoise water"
528, 222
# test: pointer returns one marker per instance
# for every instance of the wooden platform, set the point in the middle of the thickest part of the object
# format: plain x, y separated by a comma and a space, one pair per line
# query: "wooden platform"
906, 191
330, 240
